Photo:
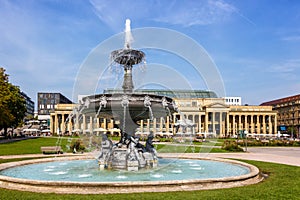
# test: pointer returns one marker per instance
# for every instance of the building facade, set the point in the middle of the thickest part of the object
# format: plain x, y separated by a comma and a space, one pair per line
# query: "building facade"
233, 101
288, 111
47, 102
29, 104
209, 115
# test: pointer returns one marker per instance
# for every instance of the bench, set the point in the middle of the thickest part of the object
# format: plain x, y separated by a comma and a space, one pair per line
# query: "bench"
52, 149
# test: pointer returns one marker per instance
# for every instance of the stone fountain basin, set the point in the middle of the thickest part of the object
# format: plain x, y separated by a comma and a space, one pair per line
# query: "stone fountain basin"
69, 187
136, 108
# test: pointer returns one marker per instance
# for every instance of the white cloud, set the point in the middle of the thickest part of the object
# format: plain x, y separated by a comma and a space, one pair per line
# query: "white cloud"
287, 70
38, 50
292, 38
184, 13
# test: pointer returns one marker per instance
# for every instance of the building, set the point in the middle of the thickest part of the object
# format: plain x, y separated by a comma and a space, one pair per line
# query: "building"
209, 114
47, 102
233, 101
59, 122
288, 111
29, 104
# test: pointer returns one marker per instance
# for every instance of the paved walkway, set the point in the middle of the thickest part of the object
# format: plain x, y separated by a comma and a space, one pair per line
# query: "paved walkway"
283, 155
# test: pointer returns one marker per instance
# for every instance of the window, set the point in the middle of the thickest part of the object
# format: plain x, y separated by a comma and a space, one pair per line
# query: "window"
194, 104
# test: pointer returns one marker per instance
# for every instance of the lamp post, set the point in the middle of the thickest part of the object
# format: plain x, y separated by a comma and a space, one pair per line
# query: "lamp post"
245, 136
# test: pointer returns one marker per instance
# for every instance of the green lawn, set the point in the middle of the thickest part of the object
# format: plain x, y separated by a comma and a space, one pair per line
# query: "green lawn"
283, 183
181, 148
31, 146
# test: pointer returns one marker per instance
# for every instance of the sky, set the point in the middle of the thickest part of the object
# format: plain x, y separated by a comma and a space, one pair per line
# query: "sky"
252, 46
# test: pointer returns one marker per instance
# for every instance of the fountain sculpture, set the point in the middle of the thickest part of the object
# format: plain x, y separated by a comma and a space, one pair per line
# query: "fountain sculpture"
81, 175
128, 108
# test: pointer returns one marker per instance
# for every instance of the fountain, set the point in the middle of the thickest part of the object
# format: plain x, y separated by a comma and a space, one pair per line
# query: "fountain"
134, 166
128, 108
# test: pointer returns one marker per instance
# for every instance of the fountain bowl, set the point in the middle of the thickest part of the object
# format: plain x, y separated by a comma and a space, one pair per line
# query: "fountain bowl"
127, 57
136, 106
72, 187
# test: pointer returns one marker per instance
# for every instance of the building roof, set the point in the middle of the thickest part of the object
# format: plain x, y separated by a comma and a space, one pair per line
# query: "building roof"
282, 100
171, 93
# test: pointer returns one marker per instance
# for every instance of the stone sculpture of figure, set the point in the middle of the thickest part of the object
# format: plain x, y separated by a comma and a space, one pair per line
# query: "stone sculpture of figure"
149, 143
105, 147
139, 146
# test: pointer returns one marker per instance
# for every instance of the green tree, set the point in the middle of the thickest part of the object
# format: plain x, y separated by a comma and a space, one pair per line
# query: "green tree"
12, 104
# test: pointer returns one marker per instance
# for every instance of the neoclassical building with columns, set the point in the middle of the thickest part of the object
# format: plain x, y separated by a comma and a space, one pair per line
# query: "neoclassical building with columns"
209, 114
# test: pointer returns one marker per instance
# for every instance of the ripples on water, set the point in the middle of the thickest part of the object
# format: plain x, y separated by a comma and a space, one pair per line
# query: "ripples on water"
88, 170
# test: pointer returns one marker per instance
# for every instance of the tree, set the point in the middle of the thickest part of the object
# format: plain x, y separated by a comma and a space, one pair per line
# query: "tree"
12, 104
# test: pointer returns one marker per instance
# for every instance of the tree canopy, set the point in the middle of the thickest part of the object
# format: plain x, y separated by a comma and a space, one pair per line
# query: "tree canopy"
12, 104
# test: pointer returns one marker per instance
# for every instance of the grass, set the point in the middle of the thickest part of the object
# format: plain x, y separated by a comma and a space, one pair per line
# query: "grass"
283, 183
167, 148
30, 146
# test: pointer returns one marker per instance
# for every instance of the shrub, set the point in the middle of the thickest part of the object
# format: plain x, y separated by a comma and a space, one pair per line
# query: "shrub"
231, 146
78, 145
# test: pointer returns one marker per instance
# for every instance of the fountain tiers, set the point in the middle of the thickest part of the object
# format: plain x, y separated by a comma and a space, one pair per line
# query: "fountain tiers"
128, 108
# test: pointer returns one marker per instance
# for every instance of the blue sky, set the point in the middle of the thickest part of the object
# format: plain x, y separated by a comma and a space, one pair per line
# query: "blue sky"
255, 44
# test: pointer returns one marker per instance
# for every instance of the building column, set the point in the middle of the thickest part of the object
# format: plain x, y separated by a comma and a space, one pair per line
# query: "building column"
258, 124
83, 123
63, 125
221, 123
227, 124
270, 125
264, 124
161, 125
56, 124
252, 124
98, 122
154, 125
206, 122
240, 123
168, 124
199, 129
213, 120
91, 125
77, 123
233, 125
246, 123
